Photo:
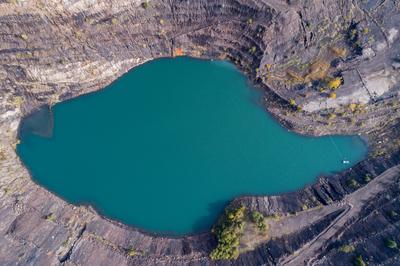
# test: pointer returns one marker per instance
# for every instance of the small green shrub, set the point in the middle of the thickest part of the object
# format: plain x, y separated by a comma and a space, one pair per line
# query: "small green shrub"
332, 116
393, 214
276, 217
358, 261
253, 50
51, 217
367, 178
347, 248
352, 183
132, 253
258, 219
2, 155
390, 243
145, 5
65, 242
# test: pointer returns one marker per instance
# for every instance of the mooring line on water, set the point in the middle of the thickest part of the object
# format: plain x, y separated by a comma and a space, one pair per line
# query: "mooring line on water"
337, 148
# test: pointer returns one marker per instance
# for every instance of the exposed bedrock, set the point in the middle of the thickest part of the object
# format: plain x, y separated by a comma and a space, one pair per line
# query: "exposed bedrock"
325, 67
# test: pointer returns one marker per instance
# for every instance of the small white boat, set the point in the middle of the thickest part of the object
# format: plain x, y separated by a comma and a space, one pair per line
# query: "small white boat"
346, 162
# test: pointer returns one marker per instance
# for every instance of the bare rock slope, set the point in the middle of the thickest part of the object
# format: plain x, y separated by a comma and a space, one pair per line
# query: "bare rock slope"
326, 67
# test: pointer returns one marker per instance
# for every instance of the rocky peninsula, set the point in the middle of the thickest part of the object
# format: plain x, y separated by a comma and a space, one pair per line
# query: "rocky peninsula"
325, 68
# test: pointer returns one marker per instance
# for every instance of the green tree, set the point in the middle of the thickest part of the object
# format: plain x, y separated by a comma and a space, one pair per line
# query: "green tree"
145, 5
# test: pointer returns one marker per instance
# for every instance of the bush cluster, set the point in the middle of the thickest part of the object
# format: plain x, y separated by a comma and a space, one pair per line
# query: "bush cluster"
258, 219
228, 232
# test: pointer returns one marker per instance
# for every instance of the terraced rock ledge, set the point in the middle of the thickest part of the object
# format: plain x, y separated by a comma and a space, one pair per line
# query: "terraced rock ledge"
325, 67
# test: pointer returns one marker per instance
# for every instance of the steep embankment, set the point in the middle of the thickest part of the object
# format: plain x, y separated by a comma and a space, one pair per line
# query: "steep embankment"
326, 67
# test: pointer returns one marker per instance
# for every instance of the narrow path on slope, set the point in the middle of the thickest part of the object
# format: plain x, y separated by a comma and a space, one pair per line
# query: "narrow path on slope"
354, 203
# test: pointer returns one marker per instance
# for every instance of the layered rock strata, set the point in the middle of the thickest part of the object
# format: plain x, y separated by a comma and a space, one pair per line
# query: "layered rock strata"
325, 67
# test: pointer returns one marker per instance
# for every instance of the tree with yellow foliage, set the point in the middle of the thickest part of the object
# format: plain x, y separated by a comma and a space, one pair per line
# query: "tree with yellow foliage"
335, 83
353, 107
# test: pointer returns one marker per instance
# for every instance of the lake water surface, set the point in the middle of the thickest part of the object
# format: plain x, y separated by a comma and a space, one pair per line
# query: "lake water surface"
169, 144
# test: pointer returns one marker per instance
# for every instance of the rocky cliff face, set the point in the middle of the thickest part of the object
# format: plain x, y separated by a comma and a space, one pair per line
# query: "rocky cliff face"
326, 67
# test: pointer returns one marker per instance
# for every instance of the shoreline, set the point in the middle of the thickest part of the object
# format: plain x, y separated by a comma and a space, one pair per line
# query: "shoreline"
251, 86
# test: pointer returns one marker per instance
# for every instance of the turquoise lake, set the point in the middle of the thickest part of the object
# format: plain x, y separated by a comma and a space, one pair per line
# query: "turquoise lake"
168, 145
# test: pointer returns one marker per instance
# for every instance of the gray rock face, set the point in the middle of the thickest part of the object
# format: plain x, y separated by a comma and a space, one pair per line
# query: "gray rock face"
293, 50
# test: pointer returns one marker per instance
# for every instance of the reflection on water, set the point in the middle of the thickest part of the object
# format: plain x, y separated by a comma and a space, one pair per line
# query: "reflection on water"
39, 123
